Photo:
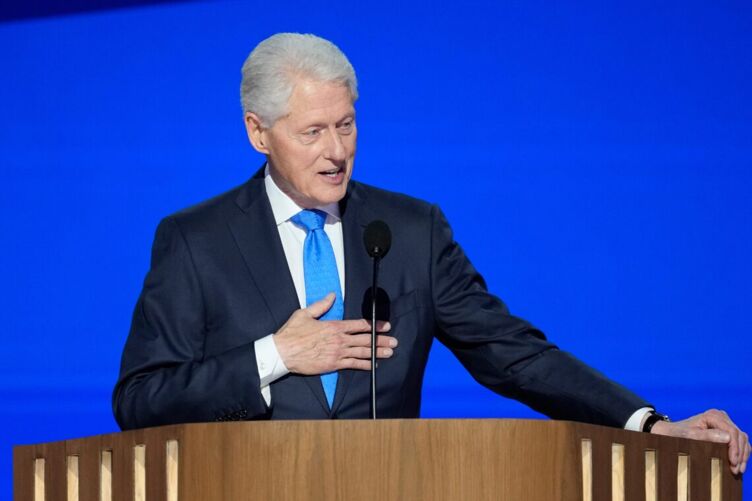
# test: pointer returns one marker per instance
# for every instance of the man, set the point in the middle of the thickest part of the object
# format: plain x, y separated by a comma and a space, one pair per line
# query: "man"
252, 306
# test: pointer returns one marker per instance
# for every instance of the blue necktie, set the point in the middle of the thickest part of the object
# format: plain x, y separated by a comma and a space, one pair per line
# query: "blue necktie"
321, 276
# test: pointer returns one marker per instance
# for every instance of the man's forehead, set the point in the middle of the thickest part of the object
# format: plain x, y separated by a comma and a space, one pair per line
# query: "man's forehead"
311, 98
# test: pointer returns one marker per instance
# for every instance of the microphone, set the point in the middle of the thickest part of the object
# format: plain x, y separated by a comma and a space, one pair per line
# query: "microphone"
378, 240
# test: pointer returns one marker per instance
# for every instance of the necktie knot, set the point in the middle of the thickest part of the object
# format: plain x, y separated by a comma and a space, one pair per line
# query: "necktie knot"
310, 219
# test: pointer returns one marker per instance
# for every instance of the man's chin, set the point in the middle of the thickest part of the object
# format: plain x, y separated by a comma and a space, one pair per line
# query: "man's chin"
330, 195
333, 196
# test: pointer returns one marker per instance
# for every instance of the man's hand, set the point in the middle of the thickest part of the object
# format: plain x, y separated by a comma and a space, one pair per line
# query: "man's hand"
713, 426
310, 346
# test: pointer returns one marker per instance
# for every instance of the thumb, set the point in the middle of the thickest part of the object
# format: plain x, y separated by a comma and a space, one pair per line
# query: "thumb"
321, 306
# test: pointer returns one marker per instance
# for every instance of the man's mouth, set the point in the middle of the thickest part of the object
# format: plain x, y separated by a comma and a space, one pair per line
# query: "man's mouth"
332, 172
334, 177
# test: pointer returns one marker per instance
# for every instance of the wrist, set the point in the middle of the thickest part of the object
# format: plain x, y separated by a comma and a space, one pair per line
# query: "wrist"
281, 346
653, 420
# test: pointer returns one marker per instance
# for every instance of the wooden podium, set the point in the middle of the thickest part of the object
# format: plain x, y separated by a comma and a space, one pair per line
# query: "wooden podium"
518, 460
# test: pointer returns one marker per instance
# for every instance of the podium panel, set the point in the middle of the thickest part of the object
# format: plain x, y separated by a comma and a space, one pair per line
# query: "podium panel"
473, 459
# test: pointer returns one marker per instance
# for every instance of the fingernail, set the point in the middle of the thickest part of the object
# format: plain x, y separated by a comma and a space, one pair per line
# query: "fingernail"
387, 326
393, 343
388, 352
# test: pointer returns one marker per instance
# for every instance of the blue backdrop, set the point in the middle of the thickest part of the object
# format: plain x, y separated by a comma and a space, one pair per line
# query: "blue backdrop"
620, 137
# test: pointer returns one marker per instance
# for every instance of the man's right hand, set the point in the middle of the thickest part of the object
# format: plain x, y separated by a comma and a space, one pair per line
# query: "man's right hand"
311, 346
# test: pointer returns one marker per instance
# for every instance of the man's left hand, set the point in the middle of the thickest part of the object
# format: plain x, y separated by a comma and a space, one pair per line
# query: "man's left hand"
713, 426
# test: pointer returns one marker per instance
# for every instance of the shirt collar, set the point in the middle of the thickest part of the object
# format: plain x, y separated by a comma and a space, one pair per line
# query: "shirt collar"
283, 207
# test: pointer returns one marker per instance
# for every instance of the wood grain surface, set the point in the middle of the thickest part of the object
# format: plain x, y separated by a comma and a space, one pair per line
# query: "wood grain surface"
486, 459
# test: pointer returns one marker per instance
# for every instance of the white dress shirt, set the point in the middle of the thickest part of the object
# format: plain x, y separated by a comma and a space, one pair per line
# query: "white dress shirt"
269, 363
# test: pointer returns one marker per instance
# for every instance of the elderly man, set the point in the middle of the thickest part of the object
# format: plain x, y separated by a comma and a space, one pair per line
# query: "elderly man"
252, 306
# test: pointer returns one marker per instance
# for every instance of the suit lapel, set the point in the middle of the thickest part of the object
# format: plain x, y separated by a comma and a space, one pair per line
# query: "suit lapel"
357, 271
258, 240
256, 235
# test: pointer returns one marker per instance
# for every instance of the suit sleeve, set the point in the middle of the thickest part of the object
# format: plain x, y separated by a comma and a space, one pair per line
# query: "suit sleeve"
164, 376
507, 354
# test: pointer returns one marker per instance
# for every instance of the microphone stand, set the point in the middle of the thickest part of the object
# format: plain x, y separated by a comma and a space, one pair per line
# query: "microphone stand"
378, 240
376, 260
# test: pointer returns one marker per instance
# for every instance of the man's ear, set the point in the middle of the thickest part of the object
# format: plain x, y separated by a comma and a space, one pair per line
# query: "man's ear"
256, 133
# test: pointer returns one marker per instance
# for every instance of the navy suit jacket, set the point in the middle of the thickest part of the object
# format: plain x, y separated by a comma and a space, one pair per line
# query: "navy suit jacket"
219, 281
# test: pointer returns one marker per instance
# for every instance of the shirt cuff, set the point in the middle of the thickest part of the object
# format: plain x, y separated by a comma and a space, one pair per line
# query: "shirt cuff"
634, 423
269, 364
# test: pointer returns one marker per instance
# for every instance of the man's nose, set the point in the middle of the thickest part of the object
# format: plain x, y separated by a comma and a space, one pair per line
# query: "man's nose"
335, 148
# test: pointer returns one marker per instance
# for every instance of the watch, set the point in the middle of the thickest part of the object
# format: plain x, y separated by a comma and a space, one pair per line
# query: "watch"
653, 418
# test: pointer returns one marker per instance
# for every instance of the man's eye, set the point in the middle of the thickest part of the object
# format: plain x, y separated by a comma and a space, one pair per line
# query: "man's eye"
346, 126
311, 132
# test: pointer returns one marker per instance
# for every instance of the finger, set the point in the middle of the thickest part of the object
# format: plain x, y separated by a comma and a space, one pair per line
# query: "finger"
321, 306
719, 420
740, 444
735, 452
736, 444
365, 340
387, 341
365, 352
743, 443
384, 352
360, 352
382, 326
355, 363
353, 326
358, 340
361, 325
745, 448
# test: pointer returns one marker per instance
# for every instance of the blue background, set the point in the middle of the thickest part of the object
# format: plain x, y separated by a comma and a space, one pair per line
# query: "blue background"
594, 160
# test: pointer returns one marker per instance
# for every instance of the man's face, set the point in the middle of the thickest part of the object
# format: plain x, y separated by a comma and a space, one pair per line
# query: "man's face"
311, 150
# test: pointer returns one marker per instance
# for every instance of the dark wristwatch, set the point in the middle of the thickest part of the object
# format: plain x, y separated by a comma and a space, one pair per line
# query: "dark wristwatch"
653, 418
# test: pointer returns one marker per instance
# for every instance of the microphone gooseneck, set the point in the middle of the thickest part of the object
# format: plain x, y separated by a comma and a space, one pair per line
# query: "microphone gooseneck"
378, 240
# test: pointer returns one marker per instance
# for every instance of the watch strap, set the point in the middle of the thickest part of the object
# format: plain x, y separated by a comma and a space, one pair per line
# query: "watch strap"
653, 418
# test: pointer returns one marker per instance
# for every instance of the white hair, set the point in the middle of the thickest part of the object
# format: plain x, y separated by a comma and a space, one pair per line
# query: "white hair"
271, 70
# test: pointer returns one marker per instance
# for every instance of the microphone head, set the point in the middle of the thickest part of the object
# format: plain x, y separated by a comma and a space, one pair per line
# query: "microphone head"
377, 238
